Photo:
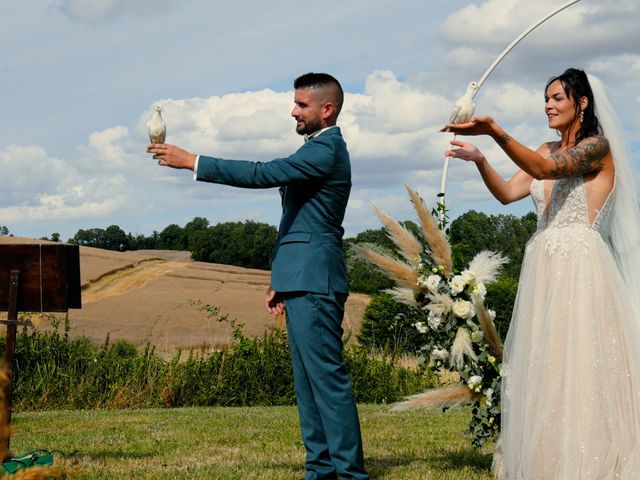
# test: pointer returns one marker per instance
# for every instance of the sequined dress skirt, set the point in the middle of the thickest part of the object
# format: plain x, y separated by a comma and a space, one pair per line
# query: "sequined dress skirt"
571, 403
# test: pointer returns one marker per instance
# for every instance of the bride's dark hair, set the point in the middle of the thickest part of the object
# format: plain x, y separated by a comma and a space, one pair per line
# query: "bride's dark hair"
576, 85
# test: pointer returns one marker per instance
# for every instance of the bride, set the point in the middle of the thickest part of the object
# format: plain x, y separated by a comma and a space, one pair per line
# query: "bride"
571, 386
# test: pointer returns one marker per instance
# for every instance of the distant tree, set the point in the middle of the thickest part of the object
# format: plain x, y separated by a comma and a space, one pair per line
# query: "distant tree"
193, 228
4, 231
92, 237
172, 238
473, 232
115, 239
152, 241
244, 244
55, 236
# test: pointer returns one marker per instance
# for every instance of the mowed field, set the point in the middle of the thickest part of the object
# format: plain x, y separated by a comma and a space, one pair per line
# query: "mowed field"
145, 296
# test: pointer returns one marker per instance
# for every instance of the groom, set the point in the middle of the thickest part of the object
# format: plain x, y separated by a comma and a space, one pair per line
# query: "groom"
308, 276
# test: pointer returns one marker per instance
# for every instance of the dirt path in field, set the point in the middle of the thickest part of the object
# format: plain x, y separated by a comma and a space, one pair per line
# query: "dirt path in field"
122, 280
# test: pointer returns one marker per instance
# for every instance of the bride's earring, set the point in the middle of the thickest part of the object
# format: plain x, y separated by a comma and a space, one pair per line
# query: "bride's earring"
581, 117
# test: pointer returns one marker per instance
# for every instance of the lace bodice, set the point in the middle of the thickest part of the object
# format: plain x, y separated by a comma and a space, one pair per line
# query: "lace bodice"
565, 220
568, 205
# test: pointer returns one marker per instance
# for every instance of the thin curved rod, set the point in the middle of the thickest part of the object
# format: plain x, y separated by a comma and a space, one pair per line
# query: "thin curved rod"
517, 40
484, 77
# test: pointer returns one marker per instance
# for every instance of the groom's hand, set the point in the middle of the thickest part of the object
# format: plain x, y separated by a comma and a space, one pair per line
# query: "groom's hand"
171, 156
274, 303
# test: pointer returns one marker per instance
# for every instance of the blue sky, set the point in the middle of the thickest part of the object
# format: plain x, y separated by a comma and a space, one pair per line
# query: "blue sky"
80, 78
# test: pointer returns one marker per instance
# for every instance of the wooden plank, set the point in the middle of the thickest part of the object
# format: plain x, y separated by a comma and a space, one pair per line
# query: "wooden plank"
49, 276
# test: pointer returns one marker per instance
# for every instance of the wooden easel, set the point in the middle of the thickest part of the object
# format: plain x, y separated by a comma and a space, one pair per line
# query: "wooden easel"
33, 278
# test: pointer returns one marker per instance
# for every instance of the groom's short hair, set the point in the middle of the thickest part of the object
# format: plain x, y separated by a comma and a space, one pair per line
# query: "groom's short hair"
322, 81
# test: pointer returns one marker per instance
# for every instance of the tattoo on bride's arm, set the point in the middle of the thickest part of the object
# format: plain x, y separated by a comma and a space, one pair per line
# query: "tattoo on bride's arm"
583, 158
503, 139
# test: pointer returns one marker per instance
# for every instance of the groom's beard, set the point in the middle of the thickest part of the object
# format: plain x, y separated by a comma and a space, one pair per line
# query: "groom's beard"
307, 128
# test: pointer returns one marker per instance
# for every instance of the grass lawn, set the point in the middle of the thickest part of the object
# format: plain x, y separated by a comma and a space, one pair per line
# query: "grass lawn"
244, 443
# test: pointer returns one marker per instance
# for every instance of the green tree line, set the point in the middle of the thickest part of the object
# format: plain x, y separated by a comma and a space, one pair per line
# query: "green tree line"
245, 244
251, 244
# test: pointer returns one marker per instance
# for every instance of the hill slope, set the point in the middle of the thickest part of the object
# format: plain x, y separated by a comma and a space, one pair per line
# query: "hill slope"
143, 296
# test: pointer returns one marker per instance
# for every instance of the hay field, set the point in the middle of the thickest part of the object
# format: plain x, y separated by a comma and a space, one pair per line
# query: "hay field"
142, 296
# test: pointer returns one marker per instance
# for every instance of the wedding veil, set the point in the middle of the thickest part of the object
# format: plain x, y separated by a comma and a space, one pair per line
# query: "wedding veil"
624, 222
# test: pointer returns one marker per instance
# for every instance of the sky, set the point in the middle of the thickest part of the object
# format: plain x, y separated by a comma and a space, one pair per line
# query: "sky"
79, 80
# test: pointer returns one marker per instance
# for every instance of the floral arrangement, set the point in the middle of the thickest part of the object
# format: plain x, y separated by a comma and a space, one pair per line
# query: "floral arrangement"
458, 328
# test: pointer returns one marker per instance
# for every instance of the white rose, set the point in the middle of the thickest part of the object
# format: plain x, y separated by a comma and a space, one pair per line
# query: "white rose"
463, 309
489, 394
474, 382
480, 290
477, 336
439, 354
432, 282
434, 320
492, 314
421, 327
468, 276
456, 284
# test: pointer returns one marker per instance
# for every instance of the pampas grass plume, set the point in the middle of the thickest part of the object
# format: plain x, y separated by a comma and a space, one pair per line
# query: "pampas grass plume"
445, 397
436, 239
403, 295
487, 326
486, 265
461, 346
403, 274
409, 246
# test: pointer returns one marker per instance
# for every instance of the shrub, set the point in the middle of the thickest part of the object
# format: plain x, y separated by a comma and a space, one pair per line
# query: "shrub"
389, 325
53, 370
378, 379
501, 297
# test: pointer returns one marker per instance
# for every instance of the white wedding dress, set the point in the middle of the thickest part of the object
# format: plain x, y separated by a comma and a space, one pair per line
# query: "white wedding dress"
571, 390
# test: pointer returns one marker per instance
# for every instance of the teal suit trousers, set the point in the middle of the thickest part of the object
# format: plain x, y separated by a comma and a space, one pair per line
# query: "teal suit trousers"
328, 415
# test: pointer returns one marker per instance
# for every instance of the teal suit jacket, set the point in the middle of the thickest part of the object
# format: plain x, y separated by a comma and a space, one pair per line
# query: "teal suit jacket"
314, 186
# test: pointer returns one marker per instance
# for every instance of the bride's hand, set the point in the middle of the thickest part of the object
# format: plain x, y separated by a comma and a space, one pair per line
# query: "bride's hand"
467, 152
482, 125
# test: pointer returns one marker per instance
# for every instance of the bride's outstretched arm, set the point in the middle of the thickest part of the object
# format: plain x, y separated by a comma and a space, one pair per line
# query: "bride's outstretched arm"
505, 191
586, 156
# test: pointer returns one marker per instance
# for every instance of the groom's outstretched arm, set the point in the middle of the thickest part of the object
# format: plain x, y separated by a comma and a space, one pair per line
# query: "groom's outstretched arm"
313, 160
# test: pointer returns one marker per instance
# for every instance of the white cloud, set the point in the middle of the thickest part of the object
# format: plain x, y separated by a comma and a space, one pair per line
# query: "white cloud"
100, 10
45, 188
477, 34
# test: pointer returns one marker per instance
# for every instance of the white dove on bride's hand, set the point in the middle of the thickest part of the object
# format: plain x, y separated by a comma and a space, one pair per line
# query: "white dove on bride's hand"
464, 107
157, 127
